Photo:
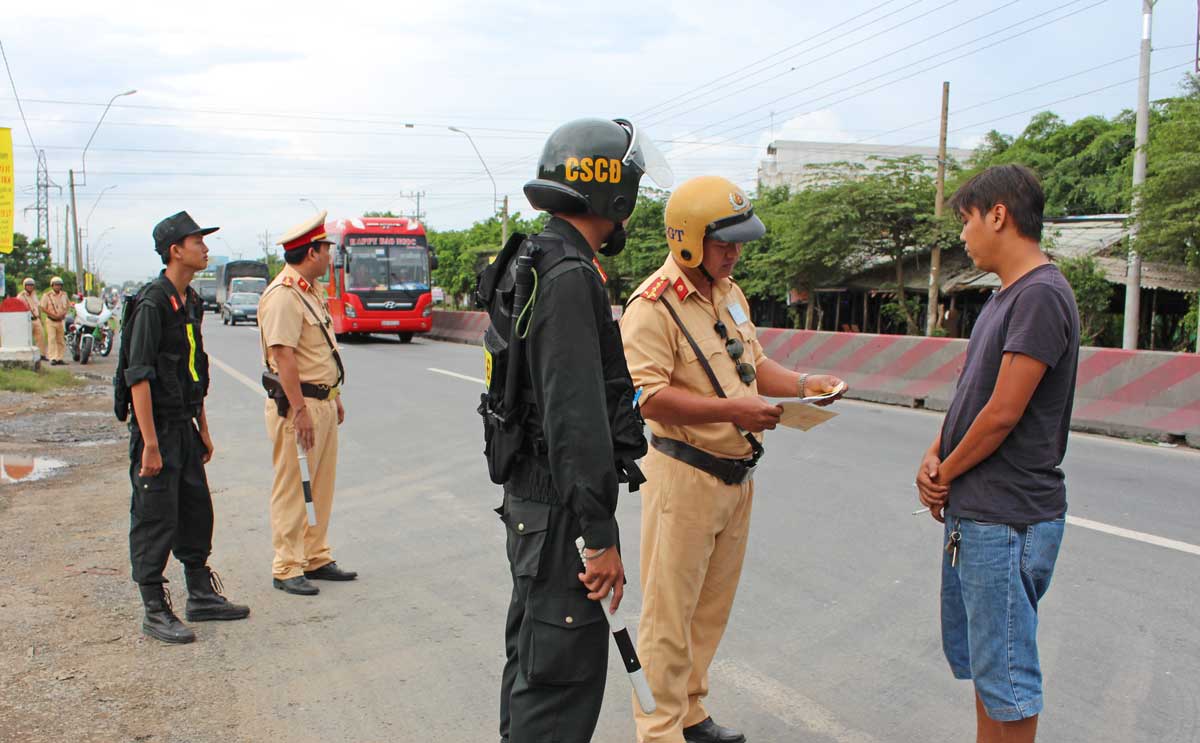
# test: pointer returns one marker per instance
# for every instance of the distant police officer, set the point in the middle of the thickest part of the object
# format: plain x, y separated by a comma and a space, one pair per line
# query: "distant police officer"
579, 431
685, 328
55, 305
166, 371
305, 408
29, 296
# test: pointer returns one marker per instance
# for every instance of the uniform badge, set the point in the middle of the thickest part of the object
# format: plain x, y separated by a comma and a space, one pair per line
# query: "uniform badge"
681, 289
286, 281
654, 291
303, 285
600, 270
174, 302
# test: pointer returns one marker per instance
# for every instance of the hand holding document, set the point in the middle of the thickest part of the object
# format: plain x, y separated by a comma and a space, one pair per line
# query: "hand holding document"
800, 414
818, 398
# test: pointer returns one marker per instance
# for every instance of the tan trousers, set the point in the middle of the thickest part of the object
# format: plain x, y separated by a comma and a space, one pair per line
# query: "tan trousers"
298, 546
694, 532
39, 336
56, 343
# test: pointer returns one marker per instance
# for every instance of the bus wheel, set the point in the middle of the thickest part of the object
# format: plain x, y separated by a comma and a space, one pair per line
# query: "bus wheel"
341, 337
405, 337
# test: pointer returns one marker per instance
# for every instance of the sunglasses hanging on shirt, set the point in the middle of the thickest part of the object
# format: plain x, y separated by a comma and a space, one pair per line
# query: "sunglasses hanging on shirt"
735, 349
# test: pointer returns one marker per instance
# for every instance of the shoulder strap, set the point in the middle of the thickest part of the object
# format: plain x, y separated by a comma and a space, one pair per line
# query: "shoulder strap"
324, 333
708, 370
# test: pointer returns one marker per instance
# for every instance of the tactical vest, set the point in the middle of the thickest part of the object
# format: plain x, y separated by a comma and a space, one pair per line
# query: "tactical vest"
511, 432
181, 380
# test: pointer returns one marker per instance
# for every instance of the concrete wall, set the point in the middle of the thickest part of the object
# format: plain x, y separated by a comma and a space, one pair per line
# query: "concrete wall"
1143, 394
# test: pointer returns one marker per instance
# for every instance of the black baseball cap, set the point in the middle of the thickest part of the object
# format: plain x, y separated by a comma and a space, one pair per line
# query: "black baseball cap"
174, 228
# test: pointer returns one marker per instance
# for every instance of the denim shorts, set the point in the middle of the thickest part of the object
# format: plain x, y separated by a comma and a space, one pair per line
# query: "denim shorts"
990, 610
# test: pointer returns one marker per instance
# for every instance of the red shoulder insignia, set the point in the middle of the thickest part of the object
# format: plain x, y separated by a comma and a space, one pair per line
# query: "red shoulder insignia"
304, 285
654, 291
600, 270
681, 289
286, 281
175, 302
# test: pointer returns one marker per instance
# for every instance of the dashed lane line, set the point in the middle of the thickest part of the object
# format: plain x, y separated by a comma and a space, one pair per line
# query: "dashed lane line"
237, 375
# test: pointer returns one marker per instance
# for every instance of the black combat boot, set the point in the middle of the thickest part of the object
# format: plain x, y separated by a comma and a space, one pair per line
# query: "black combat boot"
160, 621
205, 601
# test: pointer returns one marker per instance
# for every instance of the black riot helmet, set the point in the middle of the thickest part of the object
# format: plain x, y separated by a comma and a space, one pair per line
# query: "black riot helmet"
594, 166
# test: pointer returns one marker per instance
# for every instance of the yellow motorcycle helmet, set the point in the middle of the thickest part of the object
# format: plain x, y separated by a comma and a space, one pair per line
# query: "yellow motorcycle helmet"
708, 206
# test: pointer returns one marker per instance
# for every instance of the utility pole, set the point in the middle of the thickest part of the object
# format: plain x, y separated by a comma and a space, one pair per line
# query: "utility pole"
1133, 275
504, 224
66, 251
935, 261
75, 229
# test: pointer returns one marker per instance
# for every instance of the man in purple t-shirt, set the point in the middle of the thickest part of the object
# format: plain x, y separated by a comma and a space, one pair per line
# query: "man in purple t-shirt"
993, 474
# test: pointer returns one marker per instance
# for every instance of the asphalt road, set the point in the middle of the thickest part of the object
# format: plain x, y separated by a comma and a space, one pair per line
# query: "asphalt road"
834, 636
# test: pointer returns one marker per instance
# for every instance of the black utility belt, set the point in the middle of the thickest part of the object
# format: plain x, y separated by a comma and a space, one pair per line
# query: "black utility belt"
728, 471
318, 391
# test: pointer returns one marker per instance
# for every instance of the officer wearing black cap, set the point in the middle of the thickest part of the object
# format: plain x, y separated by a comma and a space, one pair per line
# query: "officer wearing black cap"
580, 431
164, 371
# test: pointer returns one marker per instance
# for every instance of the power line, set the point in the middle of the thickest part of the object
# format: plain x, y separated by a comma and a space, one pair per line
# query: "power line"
746, 128
903, 67
710, 101
654, 109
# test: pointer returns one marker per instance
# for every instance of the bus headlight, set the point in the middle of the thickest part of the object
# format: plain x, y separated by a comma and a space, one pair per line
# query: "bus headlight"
350, 311
427, 312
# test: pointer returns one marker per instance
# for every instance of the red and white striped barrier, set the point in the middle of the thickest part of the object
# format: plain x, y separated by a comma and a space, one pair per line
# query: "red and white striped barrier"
1143, 394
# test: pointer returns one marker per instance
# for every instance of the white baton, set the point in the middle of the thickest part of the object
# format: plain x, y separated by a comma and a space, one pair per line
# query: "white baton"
629, 655
305, 482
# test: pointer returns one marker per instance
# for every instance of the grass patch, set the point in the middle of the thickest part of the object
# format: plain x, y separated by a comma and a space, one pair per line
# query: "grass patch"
25, 380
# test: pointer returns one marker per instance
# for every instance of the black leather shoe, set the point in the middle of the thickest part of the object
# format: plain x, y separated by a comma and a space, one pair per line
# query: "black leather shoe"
205, 601
160, 621
298, 585
710, 732
330, 571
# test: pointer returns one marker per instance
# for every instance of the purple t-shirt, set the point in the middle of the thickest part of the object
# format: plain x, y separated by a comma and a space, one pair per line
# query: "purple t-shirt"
1021, 482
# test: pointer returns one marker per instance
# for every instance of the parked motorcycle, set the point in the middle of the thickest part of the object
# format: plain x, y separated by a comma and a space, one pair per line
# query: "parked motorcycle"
89, 330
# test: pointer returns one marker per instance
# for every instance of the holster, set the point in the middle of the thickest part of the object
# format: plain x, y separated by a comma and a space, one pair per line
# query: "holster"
274, 388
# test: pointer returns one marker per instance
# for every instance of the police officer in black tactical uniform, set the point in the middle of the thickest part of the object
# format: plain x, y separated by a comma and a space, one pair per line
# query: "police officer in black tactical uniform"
163, 374
577, 430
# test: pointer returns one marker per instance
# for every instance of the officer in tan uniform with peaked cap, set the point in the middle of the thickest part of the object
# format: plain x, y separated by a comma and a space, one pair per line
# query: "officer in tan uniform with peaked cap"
704, 448
304, 408
55, 305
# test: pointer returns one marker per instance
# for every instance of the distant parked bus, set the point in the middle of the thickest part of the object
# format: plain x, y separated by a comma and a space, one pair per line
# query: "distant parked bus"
379, 279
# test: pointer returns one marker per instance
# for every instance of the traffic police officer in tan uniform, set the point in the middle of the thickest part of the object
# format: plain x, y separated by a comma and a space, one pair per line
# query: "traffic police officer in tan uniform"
699, 471
297, 337
30, 298
55, 304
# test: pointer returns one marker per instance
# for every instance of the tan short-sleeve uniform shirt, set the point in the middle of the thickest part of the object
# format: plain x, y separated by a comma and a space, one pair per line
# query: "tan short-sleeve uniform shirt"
56, 304
284, 320
659, 355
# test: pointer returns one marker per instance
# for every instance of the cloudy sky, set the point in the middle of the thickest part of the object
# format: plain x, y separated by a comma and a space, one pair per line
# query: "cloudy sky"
245, 109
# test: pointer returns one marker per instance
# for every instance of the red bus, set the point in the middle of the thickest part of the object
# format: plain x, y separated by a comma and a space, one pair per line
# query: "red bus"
379, 280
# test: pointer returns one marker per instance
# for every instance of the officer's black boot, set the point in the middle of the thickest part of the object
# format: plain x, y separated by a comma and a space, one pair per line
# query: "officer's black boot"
160, 621
205, 601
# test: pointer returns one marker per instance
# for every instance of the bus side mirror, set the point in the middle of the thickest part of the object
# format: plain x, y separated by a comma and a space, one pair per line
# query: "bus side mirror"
433, 261
340, 259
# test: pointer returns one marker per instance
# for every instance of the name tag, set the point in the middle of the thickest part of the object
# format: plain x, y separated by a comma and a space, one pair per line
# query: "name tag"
737, 313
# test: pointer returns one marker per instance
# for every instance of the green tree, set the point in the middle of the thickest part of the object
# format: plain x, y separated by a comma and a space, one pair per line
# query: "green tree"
1092, 295
32, 258
1168, 220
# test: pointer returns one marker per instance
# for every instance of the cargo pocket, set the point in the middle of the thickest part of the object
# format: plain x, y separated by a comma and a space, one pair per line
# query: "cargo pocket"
563, 640
527, 522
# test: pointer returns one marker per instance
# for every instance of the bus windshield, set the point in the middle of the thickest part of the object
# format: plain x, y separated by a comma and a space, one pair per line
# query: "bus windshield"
393, 267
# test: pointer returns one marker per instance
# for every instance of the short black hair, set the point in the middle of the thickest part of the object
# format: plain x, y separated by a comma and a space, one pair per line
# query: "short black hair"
1015, 186
296, 256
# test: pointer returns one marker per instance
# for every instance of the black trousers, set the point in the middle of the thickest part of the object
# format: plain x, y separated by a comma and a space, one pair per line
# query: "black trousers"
555, 637
172, 511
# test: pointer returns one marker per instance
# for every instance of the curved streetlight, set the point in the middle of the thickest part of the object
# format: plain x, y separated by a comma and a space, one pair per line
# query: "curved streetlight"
88, 258
83, 158
312, 204
88, 221
495, 199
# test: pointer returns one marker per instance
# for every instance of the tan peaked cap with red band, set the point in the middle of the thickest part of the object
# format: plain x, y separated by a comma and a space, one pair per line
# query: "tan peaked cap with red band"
306, 233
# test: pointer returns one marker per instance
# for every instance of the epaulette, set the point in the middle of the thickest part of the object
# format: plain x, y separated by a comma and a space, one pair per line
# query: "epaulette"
303, 284
286, 281
654, 291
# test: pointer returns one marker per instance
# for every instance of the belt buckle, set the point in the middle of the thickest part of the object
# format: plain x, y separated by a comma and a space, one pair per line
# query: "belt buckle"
334, 392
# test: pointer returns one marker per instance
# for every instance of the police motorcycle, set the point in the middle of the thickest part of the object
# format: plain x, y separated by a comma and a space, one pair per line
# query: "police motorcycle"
89, 330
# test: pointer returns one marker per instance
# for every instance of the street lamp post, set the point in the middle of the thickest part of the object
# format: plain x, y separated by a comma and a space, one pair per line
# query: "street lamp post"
312, 204
495, 199
79, 268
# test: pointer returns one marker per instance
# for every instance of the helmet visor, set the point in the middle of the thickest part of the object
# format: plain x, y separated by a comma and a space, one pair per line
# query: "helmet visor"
645, 154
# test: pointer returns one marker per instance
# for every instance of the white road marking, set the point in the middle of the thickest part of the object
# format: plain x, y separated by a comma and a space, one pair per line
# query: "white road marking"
788, 704
1115, 531
238, 376
1137, 536
456, 375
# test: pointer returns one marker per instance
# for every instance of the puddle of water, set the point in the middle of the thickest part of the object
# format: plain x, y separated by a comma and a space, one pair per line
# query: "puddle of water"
22, 468
98, 442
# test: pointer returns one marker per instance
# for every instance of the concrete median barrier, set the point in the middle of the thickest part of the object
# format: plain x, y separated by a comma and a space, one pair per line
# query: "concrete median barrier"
1139, 394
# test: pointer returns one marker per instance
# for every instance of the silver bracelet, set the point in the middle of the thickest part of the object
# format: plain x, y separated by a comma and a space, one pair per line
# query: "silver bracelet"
595, 554
803, 384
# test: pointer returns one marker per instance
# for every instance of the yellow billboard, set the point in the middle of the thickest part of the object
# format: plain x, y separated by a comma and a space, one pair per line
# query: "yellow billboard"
7, 197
